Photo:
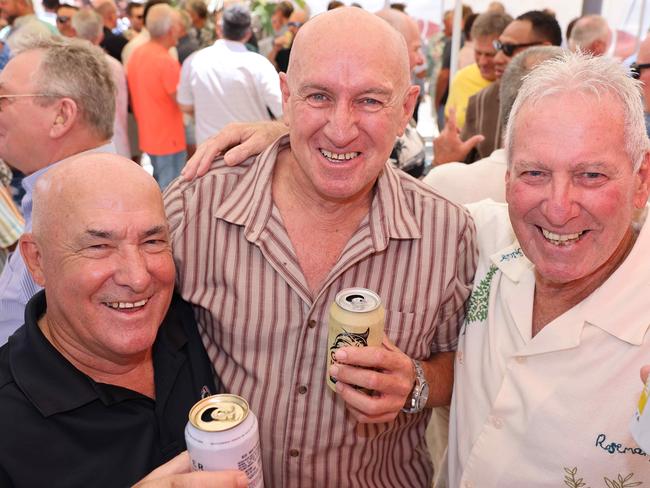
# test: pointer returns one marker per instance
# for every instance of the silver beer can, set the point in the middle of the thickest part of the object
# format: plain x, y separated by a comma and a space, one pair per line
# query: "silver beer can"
221, 434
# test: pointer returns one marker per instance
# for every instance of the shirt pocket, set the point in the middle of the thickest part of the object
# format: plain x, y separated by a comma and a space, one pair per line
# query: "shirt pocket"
411, 332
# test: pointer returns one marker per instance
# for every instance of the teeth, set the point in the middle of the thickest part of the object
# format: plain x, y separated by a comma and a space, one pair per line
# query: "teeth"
338, 156
123, 305
560, 239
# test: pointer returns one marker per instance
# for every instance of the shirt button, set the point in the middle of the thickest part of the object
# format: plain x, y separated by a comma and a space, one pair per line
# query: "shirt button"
302, 389
497, 422
520, 359
294, 453
311, 324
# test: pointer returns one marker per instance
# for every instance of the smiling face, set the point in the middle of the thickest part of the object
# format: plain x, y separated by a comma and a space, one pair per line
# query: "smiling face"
484, 53
571, 188
106, 264
345, 102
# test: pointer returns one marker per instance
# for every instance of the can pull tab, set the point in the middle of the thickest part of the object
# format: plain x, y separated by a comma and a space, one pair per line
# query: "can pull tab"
220, 414
355, 299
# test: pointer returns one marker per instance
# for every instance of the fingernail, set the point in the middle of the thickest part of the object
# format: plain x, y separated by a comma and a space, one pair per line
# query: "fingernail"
242, 480
334, 370
341, 355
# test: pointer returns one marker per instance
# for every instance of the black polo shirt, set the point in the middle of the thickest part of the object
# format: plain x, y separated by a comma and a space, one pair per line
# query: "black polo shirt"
59, 428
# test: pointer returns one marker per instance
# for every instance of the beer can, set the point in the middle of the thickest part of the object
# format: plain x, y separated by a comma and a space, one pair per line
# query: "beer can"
356, 319
221, 434
640, 425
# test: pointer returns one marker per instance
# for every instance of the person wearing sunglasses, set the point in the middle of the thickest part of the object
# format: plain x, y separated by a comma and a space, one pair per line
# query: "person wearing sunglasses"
533, 28
640, 70
64, 19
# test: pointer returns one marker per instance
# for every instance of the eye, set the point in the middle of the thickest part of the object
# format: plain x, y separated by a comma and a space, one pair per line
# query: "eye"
317, 99
592, 178
155, 245
370, 104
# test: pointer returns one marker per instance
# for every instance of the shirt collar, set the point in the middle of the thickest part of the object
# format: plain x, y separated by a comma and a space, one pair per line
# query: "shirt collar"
251, 202
50, 381
628, 286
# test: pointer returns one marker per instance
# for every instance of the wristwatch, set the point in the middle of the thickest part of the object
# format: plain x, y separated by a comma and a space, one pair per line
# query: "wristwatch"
420, 391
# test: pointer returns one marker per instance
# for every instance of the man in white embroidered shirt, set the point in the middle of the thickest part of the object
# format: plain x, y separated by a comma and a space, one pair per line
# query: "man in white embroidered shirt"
546, 373
263, 248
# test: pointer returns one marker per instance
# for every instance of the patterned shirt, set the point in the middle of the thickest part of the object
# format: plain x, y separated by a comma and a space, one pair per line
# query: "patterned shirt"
266, 333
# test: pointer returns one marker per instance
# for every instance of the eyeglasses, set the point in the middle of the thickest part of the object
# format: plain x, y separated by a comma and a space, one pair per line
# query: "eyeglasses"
62, 19
294, 24
23, 95
509, 49
635, 69
139, 17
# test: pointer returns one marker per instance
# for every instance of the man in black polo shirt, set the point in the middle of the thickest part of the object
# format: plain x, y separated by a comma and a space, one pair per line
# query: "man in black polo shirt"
96, 387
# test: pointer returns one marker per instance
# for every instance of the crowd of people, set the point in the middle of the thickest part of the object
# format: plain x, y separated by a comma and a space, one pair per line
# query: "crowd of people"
512, 273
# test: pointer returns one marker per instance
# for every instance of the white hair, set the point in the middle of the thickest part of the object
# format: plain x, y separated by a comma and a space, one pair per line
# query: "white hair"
587, 30
159, 20
592, 77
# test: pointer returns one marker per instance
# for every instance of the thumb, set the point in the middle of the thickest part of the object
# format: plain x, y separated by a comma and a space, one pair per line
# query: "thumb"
645, 372
472, 142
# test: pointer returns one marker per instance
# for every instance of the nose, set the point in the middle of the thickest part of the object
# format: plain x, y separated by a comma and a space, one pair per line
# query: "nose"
561, 206
132, 270
342, 124
500, 58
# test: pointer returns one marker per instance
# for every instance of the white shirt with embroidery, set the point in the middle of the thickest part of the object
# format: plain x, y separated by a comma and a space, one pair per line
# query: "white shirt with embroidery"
553, 410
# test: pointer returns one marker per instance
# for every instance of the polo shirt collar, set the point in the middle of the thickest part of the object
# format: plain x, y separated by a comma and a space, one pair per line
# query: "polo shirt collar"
251, 202
628, 286
50, 381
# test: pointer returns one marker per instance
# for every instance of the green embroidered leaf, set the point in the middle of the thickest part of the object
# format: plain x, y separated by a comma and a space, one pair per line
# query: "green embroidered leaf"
479, 300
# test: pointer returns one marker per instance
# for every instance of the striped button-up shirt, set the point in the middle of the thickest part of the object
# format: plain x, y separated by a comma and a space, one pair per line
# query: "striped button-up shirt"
266, 333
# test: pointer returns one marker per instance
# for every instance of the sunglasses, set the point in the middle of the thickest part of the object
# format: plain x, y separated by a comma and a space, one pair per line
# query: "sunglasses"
635, 69
294, 24
62, 19
509, 49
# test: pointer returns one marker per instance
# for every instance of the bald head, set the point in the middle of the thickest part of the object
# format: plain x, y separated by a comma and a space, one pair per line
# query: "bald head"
349, 29
643, 57
100, 248
106, 178
406, 26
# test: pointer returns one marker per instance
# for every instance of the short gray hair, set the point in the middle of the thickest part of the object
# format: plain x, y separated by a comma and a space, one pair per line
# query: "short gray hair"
518, 67
490, 24
88, 24
75, 69
587, 30
592, 76
160, 19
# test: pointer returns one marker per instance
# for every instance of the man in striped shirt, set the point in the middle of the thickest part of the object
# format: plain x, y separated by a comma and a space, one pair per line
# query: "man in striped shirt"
263, 248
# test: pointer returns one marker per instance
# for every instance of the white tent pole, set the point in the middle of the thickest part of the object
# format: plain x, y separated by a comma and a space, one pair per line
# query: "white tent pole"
640, 30
455, 39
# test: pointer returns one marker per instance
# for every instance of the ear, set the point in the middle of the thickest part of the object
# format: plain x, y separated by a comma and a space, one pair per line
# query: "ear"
65, 117
408, 105
31, 253
642, 183
284, 87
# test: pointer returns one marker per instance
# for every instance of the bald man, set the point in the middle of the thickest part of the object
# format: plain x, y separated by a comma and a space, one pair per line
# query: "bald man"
263, 249
408, 151
96, 386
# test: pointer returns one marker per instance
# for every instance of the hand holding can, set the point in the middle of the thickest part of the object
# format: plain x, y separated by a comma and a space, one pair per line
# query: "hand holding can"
356, 319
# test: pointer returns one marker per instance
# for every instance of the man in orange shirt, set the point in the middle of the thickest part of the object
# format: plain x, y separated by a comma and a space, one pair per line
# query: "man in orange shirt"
153, 76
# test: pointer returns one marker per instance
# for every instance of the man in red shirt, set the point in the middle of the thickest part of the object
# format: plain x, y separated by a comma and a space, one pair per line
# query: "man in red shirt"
153, 76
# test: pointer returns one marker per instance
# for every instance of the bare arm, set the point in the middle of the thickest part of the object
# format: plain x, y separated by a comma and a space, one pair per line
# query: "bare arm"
236, 142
